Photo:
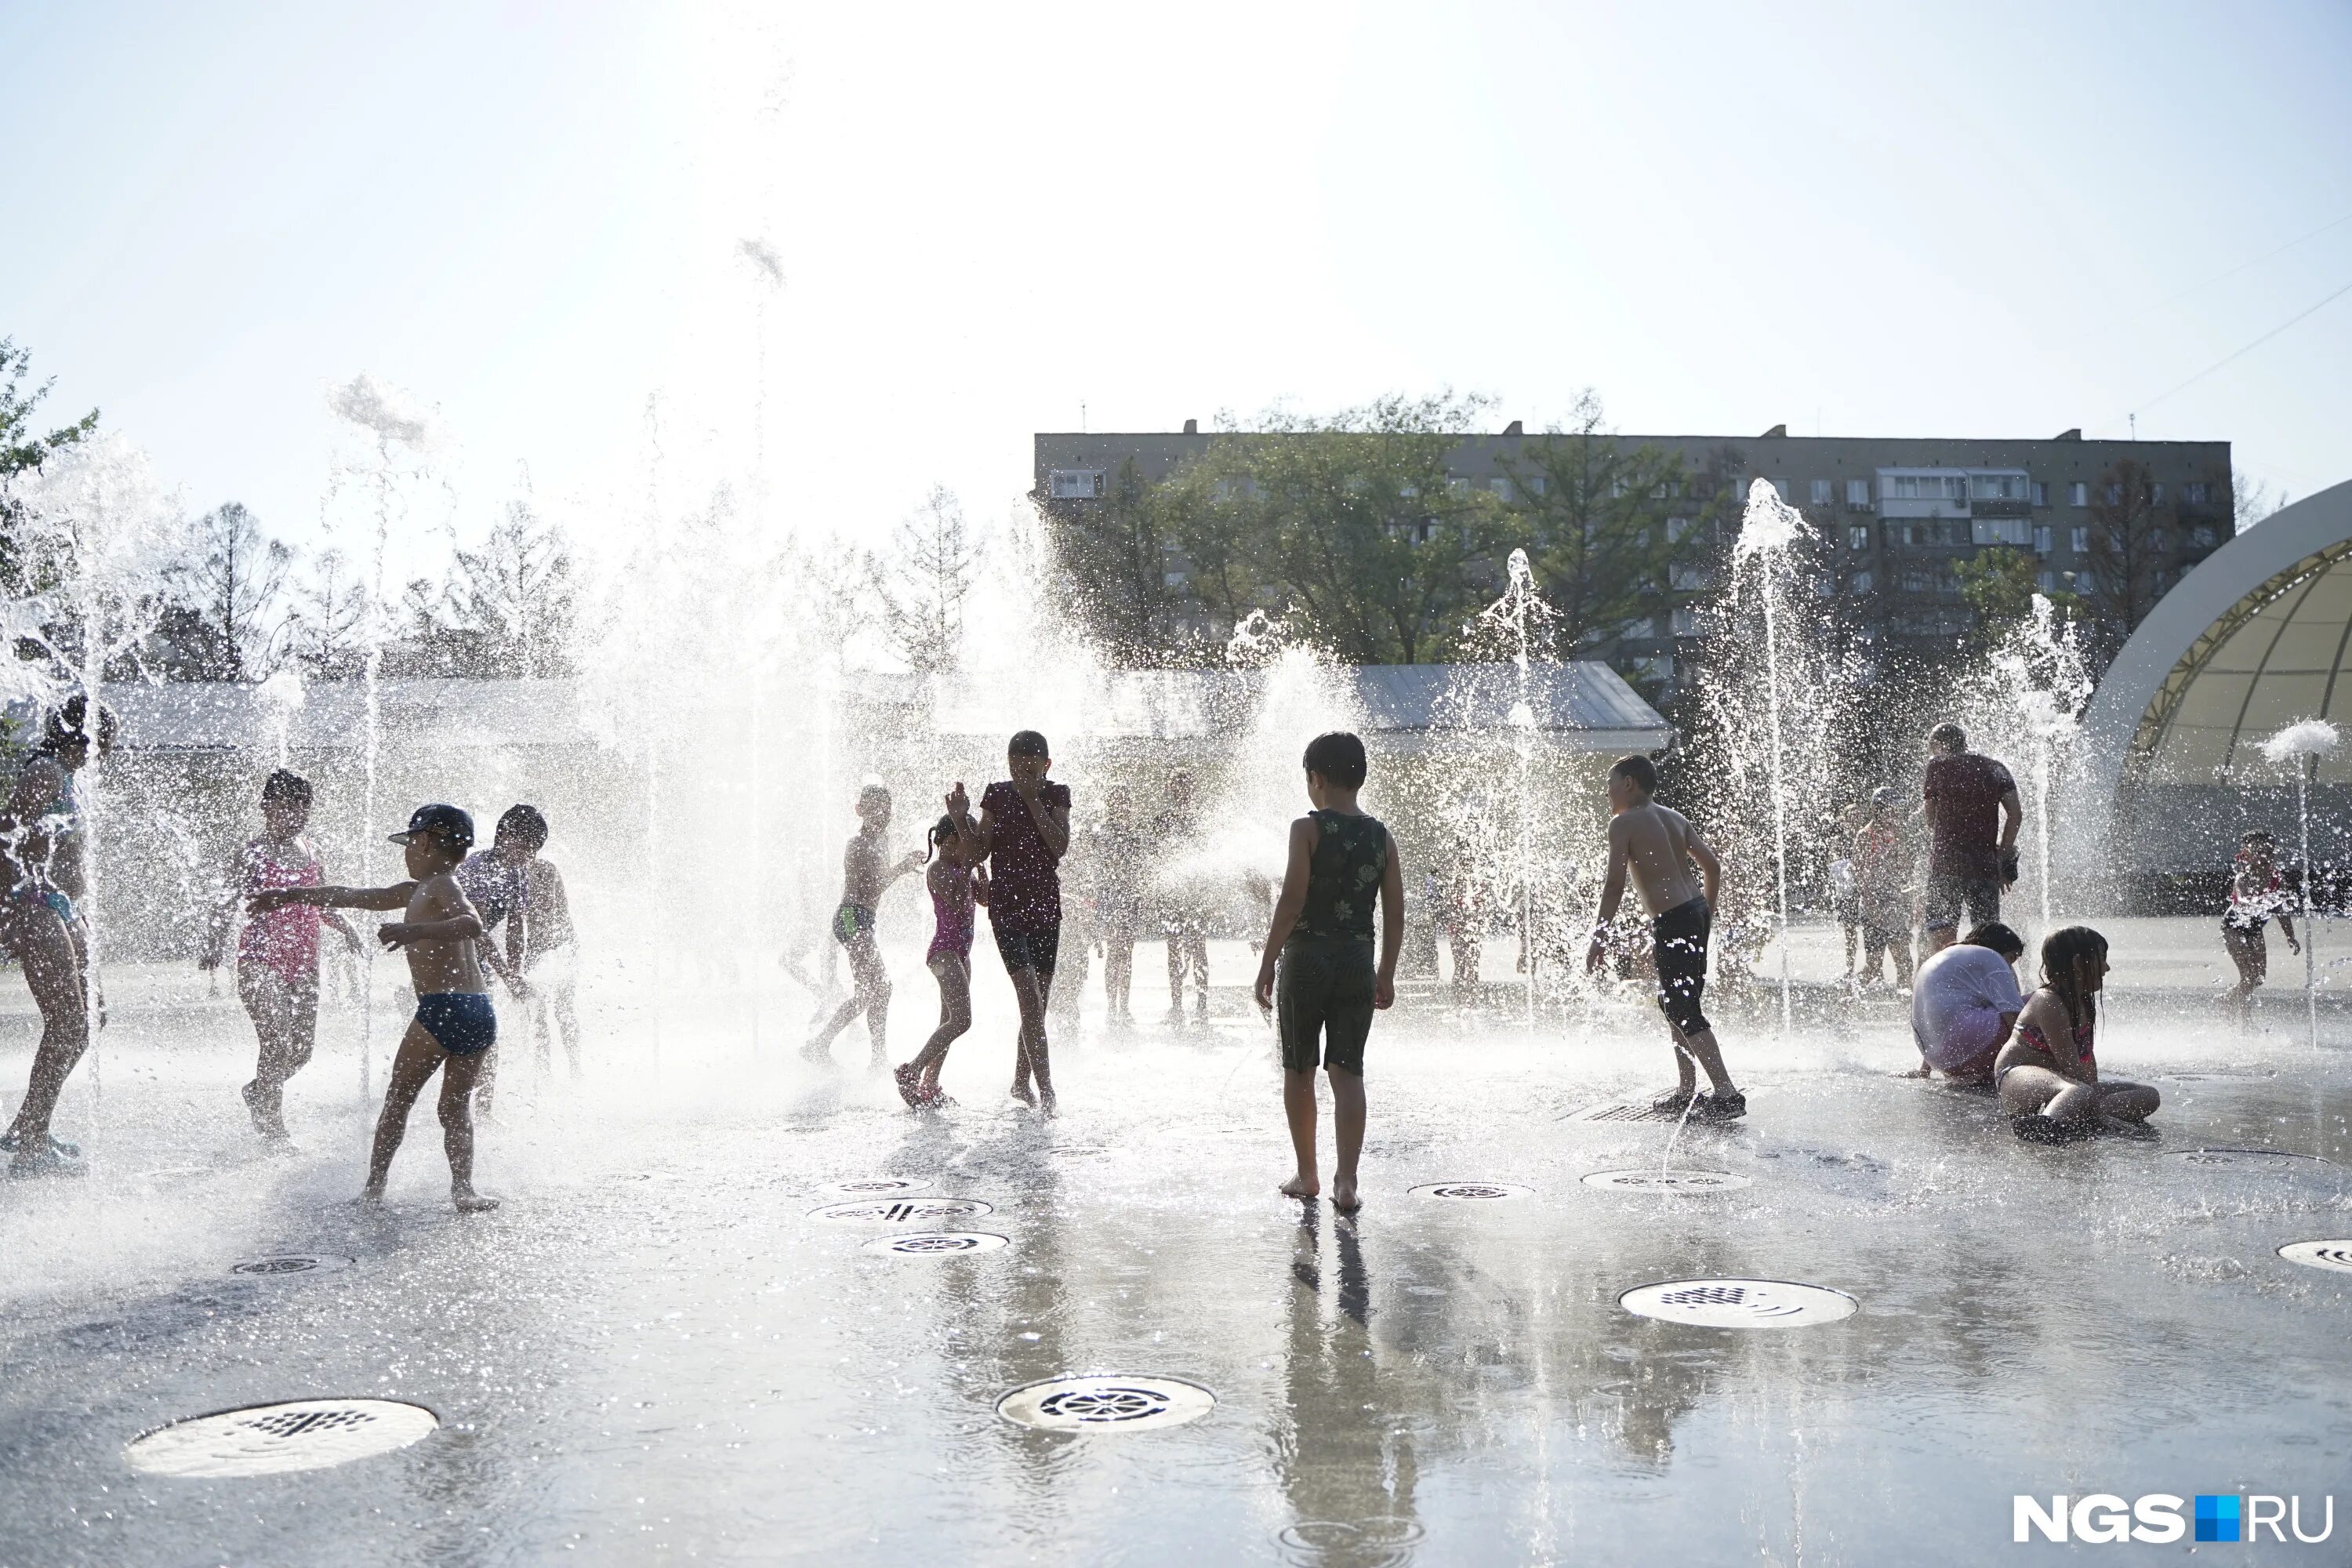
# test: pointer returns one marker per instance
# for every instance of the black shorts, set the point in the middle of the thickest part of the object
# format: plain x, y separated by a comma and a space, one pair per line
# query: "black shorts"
1323, 1003
1679, 943
1951, 892
1028, 949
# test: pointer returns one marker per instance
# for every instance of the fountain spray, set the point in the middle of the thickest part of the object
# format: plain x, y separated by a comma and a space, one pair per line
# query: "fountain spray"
389, 419
1770, 530
2301, 745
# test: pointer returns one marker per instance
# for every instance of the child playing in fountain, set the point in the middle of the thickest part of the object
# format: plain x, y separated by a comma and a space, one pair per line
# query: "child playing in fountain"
867, 873
1321, 934
1022, 832
958, 890
276, 953
1658, 847
2256, 894
455, 1027
2048, 1075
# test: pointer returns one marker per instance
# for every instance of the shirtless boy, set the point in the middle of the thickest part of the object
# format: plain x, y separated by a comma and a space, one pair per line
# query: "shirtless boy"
867, 873
453, 1027
1658, 847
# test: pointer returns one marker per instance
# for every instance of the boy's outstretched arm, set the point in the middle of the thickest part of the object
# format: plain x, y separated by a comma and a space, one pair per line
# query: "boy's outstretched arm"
1710, 868
1286, 907
1392, 929
392, 897
1613, 893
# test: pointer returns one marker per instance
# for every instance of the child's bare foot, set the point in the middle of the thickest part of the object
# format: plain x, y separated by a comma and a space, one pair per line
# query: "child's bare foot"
1022, 1092
372, 1193
911, 1087
1302, 1187
1343, 1196
471, 1202
1045, 1106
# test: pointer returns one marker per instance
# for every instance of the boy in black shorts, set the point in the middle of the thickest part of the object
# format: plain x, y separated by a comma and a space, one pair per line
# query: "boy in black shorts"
1340, 860
1658, 847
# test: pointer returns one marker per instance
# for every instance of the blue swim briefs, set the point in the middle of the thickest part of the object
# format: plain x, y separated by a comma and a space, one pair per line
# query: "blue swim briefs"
461, 1022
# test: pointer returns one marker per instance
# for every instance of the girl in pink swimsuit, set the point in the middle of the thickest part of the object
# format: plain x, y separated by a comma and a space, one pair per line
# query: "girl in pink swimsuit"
2048, 1074
957, 891
277, 952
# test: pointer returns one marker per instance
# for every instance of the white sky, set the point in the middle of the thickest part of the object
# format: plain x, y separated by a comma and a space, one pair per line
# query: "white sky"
1856, 219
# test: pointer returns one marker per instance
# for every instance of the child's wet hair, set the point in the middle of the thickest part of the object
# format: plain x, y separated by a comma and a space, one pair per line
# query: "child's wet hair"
1339, 756
1027, 743
2000, 939
2066, 955
942, 832
527, 824
68, 721
1640, 770
282, 785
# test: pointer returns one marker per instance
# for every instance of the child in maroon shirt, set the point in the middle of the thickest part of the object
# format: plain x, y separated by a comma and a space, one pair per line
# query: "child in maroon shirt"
1023, 831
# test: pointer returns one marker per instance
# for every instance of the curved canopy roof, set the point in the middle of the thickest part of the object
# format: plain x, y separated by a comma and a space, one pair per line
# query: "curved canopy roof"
2255, 639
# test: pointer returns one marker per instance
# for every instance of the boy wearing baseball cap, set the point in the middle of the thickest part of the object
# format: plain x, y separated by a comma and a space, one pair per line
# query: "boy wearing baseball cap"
454, 1028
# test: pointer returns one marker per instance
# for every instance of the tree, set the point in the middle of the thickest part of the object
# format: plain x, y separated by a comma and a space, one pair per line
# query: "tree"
1351, 524
234, 587
1599, 523
324, 626
516, 596
1997, 585
2134, 536
2252, 500
924, 583
1118, 550
22, 449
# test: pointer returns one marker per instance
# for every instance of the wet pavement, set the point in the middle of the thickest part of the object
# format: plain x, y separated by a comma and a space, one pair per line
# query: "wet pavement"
654, 1354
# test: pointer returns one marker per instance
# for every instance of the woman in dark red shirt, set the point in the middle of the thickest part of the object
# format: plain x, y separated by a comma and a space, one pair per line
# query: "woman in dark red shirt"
1022, 832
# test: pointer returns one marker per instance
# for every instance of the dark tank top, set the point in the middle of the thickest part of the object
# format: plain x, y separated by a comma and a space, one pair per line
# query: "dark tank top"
1351, 854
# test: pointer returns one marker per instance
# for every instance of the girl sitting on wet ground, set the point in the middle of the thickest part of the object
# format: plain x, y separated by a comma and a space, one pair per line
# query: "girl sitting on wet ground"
2048, 1076
956, 888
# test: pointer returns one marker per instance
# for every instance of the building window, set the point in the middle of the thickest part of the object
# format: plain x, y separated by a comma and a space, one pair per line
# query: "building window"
2201, 536
2115, 495
1782, 488
1858, 536
2156, 493
1857, 495
1925, 487
1459, 487
1862, 580
2080, 540
1824, 585
1075, 484
1685, 623
1502, 488
2078, 494
1998, 487
1689, 579
1675, 528
2042, 538
2086, 582
2041, 493
1171, 579
2197, 494
1999, 531
2049, 582
1821, 492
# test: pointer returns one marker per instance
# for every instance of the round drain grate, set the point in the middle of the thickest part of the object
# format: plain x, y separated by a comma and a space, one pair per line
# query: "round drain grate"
1471, 1192
290, 1263
2334, 1255
2252, 1159
271, 1440
1738, 1303
899, 1211
937, 1243
1666, 1181
874, 1187
1105, 1404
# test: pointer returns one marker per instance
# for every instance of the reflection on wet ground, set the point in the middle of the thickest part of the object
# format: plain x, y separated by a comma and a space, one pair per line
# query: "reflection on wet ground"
654, 1354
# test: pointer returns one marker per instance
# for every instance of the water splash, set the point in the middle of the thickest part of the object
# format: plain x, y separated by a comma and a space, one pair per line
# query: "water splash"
2299, 745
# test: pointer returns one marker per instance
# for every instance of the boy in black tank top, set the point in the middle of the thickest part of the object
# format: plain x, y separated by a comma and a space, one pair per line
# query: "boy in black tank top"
1341, 861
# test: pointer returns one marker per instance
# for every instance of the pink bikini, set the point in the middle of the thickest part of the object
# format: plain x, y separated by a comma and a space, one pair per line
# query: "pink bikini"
286, 939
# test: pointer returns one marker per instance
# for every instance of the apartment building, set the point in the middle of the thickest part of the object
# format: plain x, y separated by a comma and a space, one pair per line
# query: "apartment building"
1893, 516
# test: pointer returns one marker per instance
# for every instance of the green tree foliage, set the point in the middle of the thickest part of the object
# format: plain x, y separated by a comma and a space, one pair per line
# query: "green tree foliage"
922, 588
1604, 528
23, 445
1118, 553
1350, 525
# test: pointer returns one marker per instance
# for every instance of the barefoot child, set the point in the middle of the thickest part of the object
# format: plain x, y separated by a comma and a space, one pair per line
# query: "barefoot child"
2256, 894
1022, 832
867, 873
276, 953
2048, 1076
1658, 847
453, 1027
1340, 860
956, 890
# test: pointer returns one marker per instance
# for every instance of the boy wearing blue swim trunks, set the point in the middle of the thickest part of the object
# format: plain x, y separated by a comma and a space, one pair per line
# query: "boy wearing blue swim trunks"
454, 1028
